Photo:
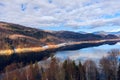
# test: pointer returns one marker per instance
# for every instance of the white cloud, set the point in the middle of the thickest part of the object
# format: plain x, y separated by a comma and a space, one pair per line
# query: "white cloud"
95, 23
77, 13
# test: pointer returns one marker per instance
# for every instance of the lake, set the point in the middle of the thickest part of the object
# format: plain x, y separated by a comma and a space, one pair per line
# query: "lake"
94, 53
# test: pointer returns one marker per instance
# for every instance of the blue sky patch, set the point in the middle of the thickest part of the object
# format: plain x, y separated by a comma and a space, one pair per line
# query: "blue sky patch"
23, 7
83, 15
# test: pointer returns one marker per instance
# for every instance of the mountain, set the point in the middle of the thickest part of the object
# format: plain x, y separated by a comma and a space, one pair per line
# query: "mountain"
21, 36
102, 33
115, 33
14, 35
82, 32
73, 36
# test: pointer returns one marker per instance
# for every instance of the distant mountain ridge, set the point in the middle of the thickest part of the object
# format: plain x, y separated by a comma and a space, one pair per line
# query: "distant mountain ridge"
116, 33
100, 33
107, 33
82, 32
21, 36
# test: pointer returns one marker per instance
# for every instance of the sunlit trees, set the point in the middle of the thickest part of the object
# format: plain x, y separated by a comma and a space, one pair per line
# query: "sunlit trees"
114, 63
108, 68
105, 69
81, 72
69, 69
91, 70
109, 65
33, 72
55, 72
15, 78
36, 72
29, 72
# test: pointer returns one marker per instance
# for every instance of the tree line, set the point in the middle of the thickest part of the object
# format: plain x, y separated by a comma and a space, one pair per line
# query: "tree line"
108, 68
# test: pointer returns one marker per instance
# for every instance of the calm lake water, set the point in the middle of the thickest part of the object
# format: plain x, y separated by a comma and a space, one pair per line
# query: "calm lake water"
94, 53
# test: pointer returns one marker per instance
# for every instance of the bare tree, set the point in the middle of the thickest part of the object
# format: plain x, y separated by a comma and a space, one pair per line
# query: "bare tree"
109, 65
91, 70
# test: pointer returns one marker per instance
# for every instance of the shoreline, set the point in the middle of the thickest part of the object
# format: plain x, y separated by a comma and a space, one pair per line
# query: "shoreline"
61, 46
33, 56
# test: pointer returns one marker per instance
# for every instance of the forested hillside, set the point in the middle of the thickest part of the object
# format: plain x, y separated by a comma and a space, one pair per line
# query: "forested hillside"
18, 36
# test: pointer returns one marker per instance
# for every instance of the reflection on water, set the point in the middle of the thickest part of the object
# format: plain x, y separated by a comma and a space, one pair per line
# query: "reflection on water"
94, 53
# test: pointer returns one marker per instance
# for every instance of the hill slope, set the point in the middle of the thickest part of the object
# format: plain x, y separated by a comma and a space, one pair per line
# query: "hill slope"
14, 35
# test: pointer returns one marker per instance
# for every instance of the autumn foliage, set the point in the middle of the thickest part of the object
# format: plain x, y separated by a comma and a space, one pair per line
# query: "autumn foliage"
108, 68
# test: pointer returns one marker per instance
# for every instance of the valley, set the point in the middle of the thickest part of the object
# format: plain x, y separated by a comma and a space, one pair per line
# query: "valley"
22, 44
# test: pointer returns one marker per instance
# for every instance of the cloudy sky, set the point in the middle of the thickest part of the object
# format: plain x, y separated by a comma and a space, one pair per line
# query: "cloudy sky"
74, 15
